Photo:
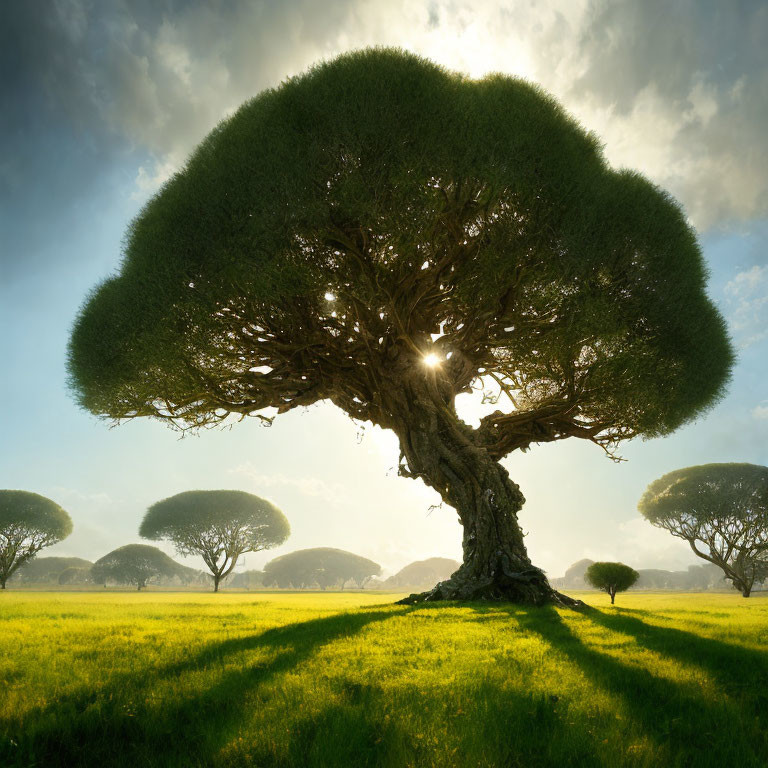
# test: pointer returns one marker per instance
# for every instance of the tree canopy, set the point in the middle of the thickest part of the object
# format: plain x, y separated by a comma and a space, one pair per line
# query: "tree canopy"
220, 526
136, 564
421, 573
74, 575
44, 570
319, 567
721, 510
385, 234
28, 523
611, 577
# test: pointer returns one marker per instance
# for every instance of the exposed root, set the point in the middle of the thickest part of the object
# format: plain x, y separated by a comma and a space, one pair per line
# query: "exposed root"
529, 587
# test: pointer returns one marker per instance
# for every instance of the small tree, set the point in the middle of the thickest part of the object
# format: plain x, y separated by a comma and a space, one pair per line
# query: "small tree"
611, 577
136, 564
321, 566
384, 235
220, 526
28, 522
721, 510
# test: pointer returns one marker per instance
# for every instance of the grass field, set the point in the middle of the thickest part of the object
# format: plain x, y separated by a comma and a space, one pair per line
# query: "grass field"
180, 679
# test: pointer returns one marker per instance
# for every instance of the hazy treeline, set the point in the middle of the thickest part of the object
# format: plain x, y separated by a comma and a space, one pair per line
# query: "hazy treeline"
76, 571
308, 573
696, 578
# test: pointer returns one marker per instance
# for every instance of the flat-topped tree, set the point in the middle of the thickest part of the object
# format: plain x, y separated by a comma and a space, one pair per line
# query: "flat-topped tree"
320, 566
721, 510
220, 526
611, 577
383, 234
28, 523
135, 564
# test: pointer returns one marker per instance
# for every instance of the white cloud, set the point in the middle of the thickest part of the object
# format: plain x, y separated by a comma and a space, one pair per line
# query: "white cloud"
747, 305
333, 493
72, 496
149, 179
641, 545
760, 411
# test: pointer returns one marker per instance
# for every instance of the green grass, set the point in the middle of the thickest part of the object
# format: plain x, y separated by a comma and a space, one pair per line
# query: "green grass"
162, 679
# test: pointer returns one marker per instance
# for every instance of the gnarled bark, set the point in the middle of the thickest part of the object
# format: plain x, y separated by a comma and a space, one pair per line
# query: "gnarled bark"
443, 451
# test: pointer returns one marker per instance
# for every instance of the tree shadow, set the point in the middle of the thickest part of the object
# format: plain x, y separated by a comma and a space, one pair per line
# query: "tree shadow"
735, 668
120, 724
369, 728
123, 723
676, 716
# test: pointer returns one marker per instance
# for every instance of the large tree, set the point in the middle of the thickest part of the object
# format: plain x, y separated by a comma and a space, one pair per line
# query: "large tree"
721, 510
320, 566
220, 526
28, 523
135, 564
384, 235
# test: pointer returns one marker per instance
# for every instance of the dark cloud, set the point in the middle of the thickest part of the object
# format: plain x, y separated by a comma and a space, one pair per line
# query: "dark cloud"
692, 74
93, 93
100, 95
57, 160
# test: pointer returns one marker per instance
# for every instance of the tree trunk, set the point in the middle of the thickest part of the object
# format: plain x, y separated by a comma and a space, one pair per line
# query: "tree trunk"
745, 591
613, 596
2, 583
215, 582
441, 450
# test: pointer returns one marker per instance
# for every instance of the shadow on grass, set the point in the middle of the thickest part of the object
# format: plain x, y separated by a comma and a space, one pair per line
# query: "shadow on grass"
736, 669
118, 724
362, 724
691, 727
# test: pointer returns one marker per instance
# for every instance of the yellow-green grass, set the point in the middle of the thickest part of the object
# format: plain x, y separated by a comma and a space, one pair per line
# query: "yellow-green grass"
163, 679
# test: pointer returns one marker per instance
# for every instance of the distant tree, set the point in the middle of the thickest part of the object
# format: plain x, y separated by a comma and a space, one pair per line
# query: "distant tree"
46, 570
74, 576
422, 573
28, 523
574, 575
136, 564
189, 576
220, 526
383, 234
322, 566
247, 579
654, 578
721, 510
705, 576
611, 577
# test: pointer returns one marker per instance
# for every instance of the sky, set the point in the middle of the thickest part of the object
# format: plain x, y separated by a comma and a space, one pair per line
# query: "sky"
101, 101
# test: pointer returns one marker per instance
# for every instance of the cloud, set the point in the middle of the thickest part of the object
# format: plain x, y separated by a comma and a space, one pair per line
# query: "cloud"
683, 93
641, 545
679, 91
760, 411
747, 305
314, 487
73, 496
